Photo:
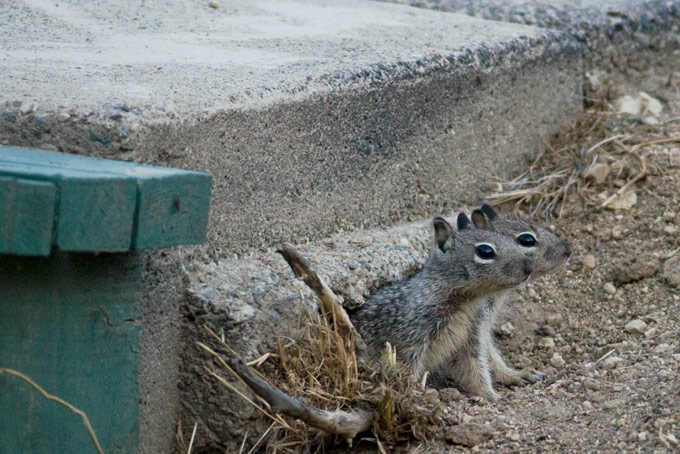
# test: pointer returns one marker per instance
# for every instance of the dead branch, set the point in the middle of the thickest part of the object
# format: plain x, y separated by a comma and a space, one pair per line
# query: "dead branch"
330, 302
347, 424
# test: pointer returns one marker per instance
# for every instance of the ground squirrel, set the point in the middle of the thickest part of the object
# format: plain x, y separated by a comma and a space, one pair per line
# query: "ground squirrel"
429, 317
547, 251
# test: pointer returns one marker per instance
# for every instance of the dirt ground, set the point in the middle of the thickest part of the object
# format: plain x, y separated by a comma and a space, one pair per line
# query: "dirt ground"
606, 329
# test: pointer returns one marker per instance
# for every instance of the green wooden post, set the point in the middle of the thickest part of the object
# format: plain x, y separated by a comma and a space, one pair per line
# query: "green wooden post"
71, 286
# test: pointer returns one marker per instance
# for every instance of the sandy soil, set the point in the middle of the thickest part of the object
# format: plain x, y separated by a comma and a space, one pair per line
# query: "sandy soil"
606, 329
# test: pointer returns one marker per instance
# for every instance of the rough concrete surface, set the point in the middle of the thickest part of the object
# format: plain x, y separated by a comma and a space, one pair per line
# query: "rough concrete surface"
613, 33
312, 117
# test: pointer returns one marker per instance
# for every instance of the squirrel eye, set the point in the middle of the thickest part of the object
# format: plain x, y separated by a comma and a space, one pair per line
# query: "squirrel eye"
526, 240
486, 252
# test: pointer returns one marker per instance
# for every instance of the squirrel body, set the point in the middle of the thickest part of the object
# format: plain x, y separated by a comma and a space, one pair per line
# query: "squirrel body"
433, 316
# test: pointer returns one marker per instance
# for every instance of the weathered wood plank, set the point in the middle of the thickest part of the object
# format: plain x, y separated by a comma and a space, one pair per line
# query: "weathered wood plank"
71, 323
115, 206
26, 216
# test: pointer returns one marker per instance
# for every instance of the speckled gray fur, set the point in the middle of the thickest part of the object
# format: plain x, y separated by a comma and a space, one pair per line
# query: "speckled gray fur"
429, 317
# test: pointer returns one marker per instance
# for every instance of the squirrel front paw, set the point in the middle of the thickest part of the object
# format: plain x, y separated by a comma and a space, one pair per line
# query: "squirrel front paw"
522, 377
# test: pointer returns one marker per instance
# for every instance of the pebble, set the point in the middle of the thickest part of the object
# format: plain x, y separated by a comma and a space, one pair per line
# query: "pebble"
214, 4
609, 288
611, 362
547, 343
614, 403
597, 172
671, 271
557, 361
507, 329
469, 434
63, 116
514, 436
587, 405
642, 436
625, 201
589, 262
617, 232
669, 216
650, 332
591, 384
636, 326
669, 229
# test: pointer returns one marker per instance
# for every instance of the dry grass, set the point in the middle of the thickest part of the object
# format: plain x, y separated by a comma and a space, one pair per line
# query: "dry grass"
561, 176
320, 366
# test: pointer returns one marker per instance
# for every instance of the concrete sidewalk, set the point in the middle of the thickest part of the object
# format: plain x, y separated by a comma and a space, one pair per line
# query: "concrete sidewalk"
312, 117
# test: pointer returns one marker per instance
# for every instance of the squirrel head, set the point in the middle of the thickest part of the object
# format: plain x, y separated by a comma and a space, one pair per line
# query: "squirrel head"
476, 262
547, 250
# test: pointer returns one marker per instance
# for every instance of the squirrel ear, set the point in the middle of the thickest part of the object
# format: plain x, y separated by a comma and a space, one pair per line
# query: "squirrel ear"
489, 212
442, 232
463, 221
479, 220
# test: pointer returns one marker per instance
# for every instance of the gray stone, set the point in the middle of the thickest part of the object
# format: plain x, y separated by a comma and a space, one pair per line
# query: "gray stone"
469, 434
671, 271
636, 326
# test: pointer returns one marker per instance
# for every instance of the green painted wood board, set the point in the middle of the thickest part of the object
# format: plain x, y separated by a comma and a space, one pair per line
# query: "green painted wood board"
71, 323
115, 206
26, 216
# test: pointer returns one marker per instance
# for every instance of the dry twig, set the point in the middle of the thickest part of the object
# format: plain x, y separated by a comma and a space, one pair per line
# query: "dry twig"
330, 302
62, 402
347, 424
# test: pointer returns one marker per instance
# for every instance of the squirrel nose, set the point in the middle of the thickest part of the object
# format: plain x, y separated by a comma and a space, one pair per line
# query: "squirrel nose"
527, 266
567, 249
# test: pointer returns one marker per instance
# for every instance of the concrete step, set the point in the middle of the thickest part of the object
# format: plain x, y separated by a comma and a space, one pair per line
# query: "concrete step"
313, 118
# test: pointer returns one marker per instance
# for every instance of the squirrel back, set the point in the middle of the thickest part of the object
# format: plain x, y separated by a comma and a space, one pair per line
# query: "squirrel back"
429, 316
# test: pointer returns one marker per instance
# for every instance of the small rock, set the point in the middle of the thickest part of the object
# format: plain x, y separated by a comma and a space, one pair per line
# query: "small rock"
670, 229
469, 434
611, 362
63, 116
613, 403
214, 4
672, 438
591, 384
617, 232
597, 172
636, 326
507, 329
642, 436
514, 436
557, 361
547, 343
587, 405
625, 201
609, 288
650, 332
448, 395
638, 269
669, 216
671, 271
589, 262
27, 108
597, 397
546, 330
662, 348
